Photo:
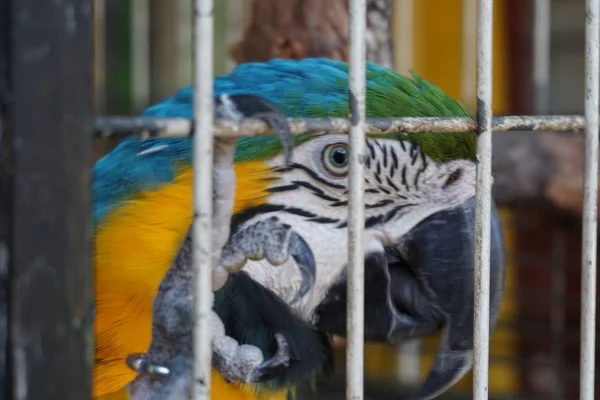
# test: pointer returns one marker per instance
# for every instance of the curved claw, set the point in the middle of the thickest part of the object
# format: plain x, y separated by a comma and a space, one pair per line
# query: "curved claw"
236, 106
274, 241
279, 123
305, 259
270, 368
140, 364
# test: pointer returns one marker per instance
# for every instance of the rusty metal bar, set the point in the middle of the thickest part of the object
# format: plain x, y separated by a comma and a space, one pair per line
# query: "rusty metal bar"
177, 127
203, 202
483, 200
356, 209
590, 202
45, 223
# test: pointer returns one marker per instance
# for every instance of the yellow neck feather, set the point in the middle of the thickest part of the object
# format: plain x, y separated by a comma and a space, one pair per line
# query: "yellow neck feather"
134, 247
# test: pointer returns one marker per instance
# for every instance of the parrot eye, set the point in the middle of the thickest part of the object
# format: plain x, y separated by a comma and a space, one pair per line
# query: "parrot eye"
335, 159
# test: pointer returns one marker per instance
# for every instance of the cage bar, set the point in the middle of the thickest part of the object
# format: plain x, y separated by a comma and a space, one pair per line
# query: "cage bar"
99, 56
404, 16
469, 51
202, 197
483, 199
179, 127
356, 213
140, 53
541, 55
590, 198
408, 363
45, 208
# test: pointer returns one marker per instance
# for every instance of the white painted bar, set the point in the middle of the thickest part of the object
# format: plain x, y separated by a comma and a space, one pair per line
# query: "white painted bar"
541, 55
184, 44
469, 52
590, 209
404, 15
483, 198
356, 213
140, 54
203, 202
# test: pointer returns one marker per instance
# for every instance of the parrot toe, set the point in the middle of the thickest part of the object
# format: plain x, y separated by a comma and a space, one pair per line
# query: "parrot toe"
239, 106
140, 364
245, 362
272, 367
274, 241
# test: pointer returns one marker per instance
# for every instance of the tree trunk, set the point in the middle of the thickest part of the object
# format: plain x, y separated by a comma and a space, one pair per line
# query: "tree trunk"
312, 28
528, 167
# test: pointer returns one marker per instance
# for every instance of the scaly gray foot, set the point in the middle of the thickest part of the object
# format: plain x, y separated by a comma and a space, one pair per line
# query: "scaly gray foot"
274, 241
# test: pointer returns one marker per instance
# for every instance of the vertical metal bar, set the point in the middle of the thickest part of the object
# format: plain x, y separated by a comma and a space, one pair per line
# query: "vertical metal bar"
47, 158
5, 200
238, 17
541, 55
407, 353
558, 262
140, 54
183, 37
404, 16
408, 362
99, 52
171, 31
590, 198
483, 199
203, 166
356, 213
469, 50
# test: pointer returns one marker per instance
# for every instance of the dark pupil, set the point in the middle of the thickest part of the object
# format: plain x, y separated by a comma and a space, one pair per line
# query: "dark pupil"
339, 156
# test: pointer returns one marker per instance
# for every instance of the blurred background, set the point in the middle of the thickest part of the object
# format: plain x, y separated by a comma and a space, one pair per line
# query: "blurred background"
143, 53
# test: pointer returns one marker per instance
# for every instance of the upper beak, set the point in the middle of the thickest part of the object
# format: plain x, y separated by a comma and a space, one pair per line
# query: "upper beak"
423, 284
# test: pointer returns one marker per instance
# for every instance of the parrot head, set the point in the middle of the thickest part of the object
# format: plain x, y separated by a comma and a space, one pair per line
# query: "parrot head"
419, 207
419, 242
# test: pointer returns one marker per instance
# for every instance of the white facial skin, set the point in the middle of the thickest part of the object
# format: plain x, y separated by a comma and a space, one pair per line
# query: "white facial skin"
402, 187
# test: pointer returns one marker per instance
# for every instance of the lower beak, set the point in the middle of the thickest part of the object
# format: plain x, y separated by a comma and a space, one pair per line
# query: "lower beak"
423, 284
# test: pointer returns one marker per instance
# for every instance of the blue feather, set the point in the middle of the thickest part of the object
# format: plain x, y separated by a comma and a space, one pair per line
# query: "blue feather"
122, 173
312, 87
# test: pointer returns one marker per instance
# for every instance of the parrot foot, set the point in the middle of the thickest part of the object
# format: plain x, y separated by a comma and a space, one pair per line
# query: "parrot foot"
239, 106
274, 241
167, 367
244, 362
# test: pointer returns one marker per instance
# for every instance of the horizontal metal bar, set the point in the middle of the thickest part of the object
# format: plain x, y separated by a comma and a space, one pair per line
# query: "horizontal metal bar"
177, 127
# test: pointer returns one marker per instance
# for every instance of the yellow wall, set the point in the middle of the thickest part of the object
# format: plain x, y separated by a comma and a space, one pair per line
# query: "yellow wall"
437, 57
437, 47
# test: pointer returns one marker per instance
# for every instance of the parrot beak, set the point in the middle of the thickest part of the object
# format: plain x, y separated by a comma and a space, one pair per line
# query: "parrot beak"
423, 284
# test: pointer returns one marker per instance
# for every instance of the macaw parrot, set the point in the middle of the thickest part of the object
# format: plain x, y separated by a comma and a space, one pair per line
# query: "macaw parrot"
287, 252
